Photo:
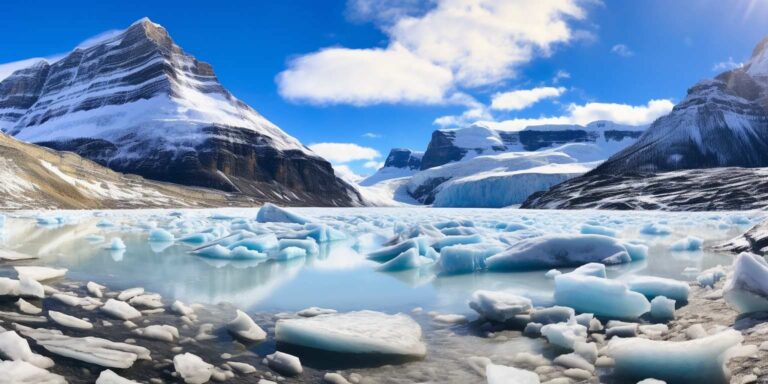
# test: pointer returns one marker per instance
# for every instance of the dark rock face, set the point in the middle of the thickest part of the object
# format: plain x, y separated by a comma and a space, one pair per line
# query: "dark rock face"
404, 158
138, 103
713, 189
441, 150
755, 240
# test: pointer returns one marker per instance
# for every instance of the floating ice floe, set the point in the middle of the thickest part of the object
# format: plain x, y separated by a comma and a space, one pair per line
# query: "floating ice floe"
501, 374
600, 296
710, 277
284, 363
655, 229
315, 311
108, 377
21, 372
192, 369
409, 259
16, 348
160, 235
693, 361
116, 244
652, 286
554, 251
24, 287
465, 258
243, 326
499, 306
120, 310
9, 255
565, 335
40, 273
94, 289
162, 332
662, 308
689, 243
270, 213
69, 321
27, 307
87, 349
747, 290
587, 229
359, 332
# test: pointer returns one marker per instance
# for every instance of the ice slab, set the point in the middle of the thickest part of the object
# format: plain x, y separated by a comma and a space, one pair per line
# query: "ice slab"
244, 327
600, 296
270, 213
192, 369
40, 273
362, 332
499, 306
21, 372
747, 290
652, 286
501, 374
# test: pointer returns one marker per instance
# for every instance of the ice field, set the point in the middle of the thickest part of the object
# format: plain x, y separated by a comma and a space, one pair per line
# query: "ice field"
410, 283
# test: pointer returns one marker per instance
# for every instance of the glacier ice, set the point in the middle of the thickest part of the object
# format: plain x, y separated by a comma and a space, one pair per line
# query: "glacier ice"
501, 374
192, 369
692, 361
120, 310
499, 306
22, 372
688, 243
409, 259
652, 286
600, 296
284, 363
116, 244
40, 273
553, 251
270, 213
565, 335
69, 321
655, 229
367, 332
457, 259
109, 377
747, 290
662, 308
244, 327
587, 229
160, 235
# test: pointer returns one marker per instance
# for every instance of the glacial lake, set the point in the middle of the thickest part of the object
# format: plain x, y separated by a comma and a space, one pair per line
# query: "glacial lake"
340, 276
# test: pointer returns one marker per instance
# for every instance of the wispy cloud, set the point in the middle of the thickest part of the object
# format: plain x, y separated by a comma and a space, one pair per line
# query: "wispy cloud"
371, 135
622, 50
727, 65
523, 98
433, 52
560, 75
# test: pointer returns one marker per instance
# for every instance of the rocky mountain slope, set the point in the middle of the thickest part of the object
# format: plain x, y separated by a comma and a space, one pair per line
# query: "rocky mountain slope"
33, 177
722, 122
137, 103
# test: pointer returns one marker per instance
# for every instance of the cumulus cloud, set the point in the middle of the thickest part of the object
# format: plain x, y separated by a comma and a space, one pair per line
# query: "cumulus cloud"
622, 50
727, 65
589, 112
454, 45
347, 174
523, 98
344, 152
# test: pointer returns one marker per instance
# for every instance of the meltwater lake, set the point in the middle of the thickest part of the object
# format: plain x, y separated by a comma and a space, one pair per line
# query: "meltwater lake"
342, 275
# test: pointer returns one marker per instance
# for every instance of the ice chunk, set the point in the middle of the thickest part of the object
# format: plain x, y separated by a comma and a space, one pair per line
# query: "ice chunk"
652, 286
260, 243
553, 251
158, 332
21, 372
244, 327
290, 253
500, 374
243, 253
551, 315
747, 290
120, 310
109, 377
409, 259
25, 287
69, 321
180, 308
7, 254
28, 308
458, 259
499, 306
693, 361
116, 244
198, 238
40, 273
710, 277
284, 363
309, 245
587, 229
552, 273
88, 349
94, 289
354, 332
565, 335
662, 308
689, 243
15, 347
161, 235
215, 251
315, 311
591, 269
192, 369
270, 213
600, 296
130, 293
456, 240
655, 229
388, 253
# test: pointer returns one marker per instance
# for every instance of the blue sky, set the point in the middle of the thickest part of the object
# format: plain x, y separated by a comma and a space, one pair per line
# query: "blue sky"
383, 74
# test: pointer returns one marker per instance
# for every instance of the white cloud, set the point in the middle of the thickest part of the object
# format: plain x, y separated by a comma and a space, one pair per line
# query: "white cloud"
373, 164
560, 75
622, 50
727, 65
372, 135
431, 54
386, 11
523, 98
364, 77
344, 152
587, 113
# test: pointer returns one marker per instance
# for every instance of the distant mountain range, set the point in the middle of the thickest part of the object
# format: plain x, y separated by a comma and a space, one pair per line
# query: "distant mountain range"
137, 103
481, 167
722, 122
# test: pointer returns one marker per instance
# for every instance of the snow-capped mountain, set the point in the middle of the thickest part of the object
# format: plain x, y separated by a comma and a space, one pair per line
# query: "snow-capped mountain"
137, 103
34, 177
481, 167
722, 122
